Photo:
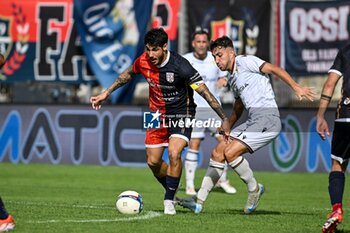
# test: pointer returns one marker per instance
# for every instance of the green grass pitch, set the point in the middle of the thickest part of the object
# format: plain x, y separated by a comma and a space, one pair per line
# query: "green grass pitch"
67, 198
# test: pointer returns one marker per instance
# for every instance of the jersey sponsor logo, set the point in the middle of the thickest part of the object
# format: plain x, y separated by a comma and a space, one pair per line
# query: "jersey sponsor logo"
169, 77
238, 90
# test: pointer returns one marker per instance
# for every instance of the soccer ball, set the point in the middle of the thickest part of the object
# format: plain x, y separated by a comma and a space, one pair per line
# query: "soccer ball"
129, 202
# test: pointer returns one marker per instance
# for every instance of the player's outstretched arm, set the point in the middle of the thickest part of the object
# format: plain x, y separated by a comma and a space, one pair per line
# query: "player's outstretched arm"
203, 90
300, 91
126, 76
326, 96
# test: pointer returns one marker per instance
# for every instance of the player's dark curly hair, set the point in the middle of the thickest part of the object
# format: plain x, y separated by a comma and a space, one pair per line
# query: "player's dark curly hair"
156, 37
223, 41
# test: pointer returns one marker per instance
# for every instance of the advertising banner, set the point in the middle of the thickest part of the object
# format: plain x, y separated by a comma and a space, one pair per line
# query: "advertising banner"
39, 40
246, 22
115, 136
311, 34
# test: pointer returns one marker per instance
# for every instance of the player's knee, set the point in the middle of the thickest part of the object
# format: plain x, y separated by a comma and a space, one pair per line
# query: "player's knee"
233, 151
153, 162
230, 155
174, 158
217, 156
226, 153
174, 153
337, 166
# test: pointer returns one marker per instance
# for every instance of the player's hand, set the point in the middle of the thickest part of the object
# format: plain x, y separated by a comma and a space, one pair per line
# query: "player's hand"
225, 129
307, 92
322, 128
96, 101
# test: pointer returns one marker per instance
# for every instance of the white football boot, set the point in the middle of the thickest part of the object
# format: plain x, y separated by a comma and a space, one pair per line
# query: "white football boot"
253, 199
169, 207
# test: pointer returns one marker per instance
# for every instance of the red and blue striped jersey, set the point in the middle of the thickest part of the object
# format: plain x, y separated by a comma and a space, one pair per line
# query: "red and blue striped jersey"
169, 84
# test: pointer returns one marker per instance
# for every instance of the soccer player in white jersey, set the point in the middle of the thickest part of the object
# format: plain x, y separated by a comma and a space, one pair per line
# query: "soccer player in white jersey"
253, 92
202, 60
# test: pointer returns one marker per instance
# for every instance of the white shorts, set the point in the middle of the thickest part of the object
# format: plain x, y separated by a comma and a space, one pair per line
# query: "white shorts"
208, 115
258, 132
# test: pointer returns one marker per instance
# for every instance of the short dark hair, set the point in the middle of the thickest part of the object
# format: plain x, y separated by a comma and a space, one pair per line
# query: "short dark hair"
223, 41
200, 31
156, 37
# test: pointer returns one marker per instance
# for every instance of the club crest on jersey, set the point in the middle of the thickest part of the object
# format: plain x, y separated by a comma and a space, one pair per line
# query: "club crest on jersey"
169, 77
347, 101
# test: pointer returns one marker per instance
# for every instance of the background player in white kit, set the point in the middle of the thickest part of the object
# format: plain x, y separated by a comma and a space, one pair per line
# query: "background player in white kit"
252, 89
202, 60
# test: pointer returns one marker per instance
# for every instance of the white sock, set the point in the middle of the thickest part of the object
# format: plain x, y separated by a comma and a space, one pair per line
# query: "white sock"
224, 174
212, 176
242, 168
191, 162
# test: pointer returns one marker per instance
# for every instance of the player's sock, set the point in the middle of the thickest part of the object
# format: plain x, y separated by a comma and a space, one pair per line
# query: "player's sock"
336, 187
242, 168
191, 162
3, 212
212, 176
172, 183
162, 181
224, 174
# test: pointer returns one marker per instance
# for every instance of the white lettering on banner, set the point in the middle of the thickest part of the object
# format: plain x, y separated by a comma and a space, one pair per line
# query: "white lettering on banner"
309, 55
321, 66
123, 62
327, 54
316, 25
106, 53
318, 60
94, 18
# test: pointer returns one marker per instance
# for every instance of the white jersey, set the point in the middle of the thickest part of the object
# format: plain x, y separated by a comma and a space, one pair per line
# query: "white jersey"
253, 87
210, 74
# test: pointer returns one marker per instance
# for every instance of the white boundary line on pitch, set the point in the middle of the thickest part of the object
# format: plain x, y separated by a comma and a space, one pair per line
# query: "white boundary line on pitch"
112, 207
147, 215
60, 205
